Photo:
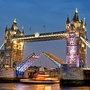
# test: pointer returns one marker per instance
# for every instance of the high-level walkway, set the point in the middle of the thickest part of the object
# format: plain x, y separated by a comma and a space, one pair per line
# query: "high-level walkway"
42, 37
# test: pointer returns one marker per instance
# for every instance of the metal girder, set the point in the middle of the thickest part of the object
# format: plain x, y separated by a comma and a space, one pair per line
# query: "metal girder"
27, 62
52, 57
1, 46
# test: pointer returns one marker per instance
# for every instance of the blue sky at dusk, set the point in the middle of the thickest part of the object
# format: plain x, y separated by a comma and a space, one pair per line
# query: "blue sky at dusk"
36, 13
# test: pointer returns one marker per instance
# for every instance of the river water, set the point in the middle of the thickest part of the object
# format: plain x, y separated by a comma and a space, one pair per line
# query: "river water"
21, 86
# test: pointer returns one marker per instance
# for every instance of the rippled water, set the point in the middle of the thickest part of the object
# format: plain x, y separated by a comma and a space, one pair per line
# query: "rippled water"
20, 86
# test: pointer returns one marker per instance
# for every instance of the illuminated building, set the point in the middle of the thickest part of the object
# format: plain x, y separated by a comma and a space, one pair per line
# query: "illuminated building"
75, 48
13, 50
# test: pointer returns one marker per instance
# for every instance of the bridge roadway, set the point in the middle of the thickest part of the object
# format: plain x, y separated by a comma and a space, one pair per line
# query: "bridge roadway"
28, 61
37, 37
42, 37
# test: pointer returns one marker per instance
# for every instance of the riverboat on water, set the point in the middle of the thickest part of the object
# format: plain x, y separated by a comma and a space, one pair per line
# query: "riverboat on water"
41, 79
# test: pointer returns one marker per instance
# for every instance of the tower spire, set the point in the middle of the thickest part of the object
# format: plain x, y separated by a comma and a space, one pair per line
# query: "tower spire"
84, 23
67, 21
76, 17
15, 21
22, 29
14, 25
76, 10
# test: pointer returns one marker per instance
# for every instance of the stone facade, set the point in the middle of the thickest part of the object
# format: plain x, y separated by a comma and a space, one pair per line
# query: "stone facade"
13, 49
71, 73
7, 73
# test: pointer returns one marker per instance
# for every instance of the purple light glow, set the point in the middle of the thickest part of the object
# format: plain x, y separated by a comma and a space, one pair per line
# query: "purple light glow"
72, 49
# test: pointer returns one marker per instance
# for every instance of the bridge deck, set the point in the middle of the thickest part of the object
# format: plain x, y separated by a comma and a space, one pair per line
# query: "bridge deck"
42, 37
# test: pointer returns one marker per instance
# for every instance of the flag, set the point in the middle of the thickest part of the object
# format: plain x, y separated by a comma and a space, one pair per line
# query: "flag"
43, 26
30, 29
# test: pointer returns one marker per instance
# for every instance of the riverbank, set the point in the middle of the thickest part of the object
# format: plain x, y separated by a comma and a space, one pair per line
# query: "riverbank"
9, 80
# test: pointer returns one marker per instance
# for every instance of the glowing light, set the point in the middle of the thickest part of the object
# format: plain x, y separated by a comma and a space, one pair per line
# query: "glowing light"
48, 88
14, 41
72, 51
15, 21
36, 34
22, 43
82, 45
14, 32
36, 56
84, 26
76, 10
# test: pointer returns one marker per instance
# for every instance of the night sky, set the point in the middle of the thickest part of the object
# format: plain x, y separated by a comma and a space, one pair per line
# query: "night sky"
35, 14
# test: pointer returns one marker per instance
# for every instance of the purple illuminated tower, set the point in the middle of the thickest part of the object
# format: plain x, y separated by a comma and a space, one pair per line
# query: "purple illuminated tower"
72, 57
72, 40
76, 48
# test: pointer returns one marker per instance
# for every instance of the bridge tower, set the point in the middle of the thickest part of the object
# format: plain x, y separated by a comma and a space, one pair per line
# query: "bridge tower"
75, 48
13, 50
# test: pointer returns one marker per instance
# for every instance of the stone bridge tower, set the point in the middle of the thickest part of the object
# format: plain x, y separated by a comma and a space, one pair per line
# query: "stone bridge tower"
13, 50
75, 48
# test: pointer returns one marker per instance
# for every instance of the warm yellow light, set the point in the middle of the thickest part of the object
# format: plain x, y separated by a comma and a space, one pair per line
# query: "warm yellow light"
67, 35
77, 33
14, 32
82, 45
47, 87
84, 26
21, 43
14, 41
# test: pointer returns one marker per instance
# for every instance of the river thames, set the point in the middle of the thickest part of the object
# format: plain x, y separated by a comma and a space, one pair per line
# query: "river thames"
21, 86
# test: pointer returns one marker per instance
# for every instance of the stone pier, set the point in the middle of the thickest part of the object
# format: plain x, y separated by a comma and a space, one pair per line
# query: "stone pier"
74, 76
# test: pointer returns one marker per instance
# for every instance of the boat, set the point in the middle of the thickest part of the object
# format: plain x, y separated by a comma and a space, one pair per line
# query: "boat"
41, 79
31, 81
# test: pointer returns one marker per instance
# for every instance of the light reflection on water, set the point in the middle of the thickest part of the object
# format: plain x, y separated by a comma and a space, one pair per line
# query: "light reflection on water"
20, 86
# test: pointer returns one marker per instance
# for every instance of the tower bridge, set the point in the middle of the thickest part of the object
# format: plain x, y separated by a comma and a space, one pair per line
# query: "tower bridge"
75, 36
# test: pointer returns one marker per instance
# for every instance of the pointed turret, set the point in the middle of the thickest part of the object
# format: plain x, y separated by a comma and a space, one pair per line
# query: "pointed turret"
67, 21
84, 22
14, 26
76, 17
14, 21
22, 29
81, 22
